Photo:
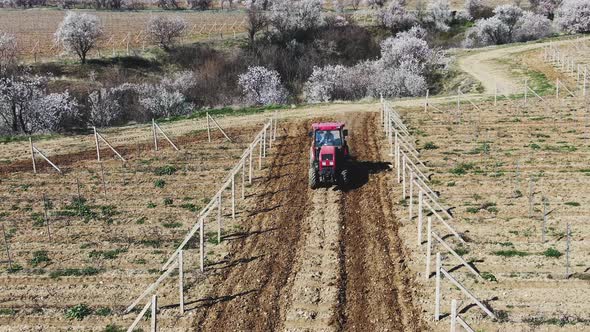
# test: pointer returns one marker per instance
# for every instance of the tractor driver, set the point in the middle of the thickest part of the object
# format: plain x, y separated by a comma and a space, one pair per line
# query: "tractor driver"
327, 139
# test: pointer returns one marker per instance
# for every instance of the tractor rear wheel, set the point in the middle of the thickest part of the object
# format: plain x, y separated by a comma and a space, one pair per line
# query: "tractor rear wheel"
314, 181
345, 177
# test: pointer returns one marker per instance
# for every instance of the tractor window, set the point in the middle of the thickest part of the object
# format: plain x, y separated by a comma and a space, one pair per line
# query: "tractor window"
328, 137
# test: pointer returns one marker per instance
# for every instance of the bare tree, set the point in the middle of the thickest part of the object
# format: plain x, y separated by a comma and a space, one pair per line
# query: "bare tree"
256, 22
78, 33
166, 30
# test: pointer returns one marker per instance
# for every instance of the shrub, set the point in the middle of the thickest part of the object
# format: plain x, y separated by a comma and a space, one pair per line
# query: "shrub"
552, 252
200, 4
262, 86
104, 107
430, 146
159, 183
489, 277
509, 15
573, 16
40, 257
395, 17
165, 31
78, 312
78, 33
476, 9
490, 31
532, 26
168, 201
103, 311
113, 328
439, 15
165, 170
87, 271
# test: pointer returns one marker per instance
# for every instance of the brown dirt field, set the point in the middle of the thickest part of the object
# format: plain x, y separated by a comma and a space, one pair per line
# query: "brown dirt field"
499, 150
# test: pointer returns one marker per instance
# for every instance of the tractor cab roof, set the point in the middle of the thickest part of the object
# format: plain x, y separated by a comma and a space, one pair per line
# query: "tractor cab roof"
328, 126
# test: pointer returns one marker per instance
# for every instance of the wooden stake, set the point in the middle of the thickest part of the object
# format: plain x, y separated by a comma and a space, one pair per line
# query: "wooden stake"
437, 290
260, 153
264, 142
428, 247
33, 155
525, 90
530, 197
567, 251
181, 282
165, 136
250, 167
46, 217
543, 229
219, 127
426, 101
154, 324
7, 247
104, 185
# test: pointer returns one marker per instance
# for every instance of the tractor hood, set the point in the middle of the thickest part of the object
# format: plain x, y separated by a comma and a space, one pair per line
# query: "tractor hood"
327, 156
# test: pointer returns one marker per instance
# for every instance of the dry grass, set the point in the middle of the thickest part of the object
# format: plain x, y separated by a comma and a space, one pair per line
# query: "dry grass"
505, 147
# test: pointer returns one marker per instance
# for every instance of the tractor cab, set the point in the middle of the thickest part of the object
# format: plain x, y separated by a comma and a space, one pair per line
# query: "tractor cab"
329, 154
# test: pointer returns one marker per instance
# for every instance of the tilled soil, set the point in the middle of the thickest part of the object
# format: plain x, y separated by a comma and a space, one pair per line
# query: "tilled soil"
377, 290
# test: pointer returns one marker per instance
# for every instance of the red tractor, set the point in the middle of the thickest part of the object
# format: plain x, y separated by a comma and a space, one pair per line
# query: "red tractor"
329, 155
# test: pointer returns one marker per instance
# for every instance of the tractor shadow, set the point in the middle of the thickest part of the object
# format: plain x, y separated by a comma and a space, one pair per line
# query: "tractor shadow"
360, 171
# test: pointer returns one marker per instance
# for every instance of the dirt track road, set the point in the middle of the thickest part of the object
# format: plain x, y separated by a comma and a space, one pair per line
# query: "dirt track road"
485, 66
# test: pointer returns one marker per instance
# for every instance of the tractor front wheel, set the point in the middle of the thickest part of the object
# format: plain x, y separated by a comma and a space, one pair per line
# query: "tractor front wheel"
314, 181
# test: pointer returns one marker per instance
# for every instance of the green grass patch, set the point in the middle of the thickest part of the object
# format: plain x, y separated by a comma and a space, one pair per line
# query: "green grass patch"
106, 254
430, 146
7, 312
78, 312
40, 257
552, 252
489, 277
87, 271
165, 170
159, 183
572, 203
511, 253
462, 168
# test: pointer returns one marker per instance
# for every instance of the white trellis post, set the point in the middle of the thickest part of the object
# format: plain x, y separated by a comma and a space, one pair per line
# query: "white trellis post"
181, 282
96, 142
525, 90
411, 205
453, 315
428, 246
244, 179
426, 101
219, 218
404, 176
250, 167
260, 153
264, 142
420, 198
154, 323
33, 155
567, 251
233, 195
155, 134
208, 129
437, 291
557, 88
201, 245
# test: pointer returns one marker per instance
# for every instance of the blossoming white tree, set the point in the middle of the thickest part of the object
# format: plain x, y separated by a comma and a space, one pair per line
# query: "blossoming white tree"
291, 16
532, 26
395, 17
573, 16
439, 15
78, 33
165, 30
25, 108
104, 107
509, 15
262, 86
8, 51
